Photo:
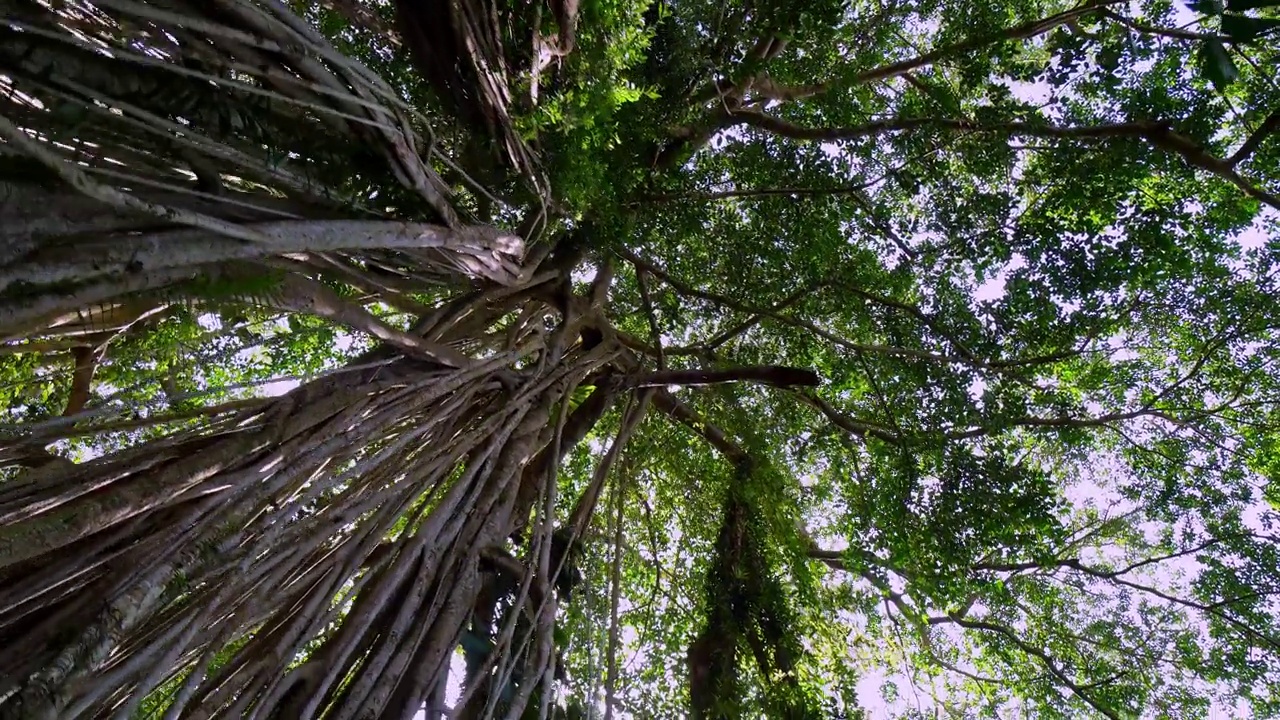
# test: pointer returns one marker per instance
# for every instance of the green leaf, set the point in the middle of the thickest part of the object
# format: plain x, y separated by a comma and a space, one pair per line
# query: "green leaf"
1217, 64
1241, 5
1243, 28
1206, 7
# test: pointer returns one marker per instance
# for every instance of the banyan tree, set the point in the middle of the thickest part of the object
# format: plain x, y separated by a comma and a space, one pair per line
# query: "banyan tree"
639, 358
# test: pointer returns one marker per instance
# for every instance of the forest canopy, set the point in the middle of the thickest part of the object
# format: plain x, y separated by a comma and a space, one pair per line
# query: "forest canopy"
639, 358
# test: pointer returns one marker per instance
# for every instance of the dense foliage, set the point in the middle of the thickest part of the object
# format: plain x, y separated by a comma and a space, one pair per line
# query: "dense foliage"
290, 430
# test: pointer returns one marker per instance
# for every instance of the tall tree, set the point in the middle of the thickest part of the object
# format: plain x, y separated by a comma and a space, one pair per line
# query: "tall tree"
639, 359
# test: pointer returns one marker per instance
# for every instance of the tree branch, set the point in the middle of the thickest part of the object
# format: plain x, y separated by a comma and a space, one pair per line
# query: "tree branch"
694, 137
835, 561
683, 414
1050, 664
1268, 126
655, 334
755, 318
858, 428
777, 375
580, 422
1175, 33
791, 192
685, 289
1115, 576
1064, 422
764, 89
1020, 32
584, 509
1075, 563
1157, 134
787, 129
85, 359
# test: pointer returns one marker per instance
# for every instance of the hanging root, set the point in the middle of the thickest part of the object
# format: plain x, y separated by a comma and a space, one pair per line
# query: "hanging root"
344, 522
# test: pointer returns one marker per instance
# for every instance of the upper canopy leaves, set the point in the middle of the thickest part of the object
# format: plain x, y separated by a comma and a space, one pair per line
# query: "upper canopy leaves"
1030, 249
